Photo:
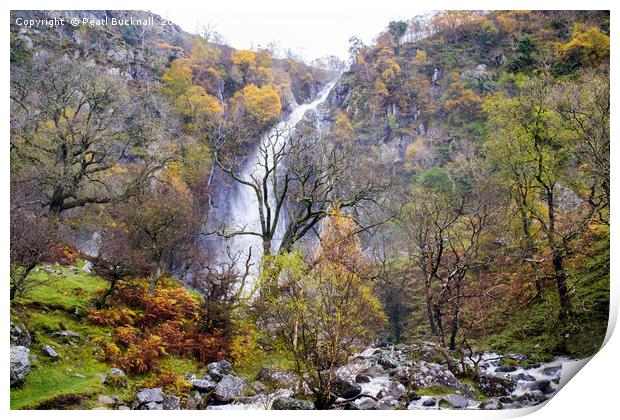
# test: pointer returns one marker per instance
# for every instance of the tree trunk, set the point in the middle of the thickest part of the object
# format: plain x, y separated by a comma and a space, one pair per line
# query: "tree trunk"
560, 278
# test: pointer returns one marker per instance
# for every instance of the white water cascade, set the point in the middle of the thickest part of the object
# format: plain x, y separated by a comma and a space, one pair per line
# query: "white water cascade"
243, 204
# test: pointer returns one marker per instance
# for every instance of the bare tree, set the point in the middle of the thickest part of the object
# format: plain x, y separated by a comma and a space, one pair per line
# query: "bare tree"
303, 175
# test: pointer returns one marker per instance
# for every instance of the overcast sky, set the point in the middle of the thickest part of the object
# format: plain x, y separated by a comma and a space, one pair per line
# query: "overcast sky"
311, 33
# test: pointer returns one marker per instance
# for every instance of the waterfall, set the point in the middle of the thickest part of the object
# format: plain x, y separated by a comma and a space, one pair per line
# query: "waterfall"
242, 202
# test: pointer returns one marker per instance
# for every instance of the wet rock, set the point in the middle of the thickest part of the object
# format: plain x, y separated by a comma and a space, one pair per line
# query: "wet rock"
388, 403
524, 377
346, 388
393, 389
288, 403
229, 388
388, 361
218, 369
365, 403
20, 335
171, 402
149, 399
117, 378
424, 375
402, 374
491, 404
430, 402
49, 352
543, 385
531, 398
506, 369
20, 364
495, 386
455, 401
203, 384
277, 378
362, 378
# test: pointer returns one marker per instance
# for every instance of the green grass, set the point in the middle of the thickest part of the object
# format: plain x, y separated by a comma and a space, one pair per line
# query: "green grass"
434, 391
69, 290
58, 305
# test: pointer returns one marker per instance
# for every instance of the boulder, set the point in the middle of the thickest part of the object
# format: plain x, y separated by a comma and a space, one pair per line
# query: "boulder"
491, 404
288, 403
345, 387
429, 402
218, 369
20, 335
49, 352
149, 399
524, 377
388, 403
361, 378
455, 401
424, 375
20, 364
388, 361
552, 370
203, 384
393, 389
543, 385
495, 386
402, 374
365, 403
171, 402
229, 388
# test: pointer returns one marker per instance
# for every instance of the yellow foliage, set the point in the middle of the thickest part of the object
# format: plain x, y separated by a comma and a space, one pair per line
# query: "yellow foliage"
260, 104
244, 59
587, 46
177, 78
420, 57
342, 126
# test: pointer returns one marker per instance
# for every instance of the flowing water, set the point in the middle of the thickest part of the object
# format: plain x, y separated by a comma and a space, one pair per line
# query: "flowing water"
242, 210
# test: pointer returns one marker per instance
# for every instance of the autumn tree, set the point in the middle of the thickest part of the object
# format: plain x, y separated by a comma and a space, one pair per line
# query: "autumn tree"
325, 309
537, 142
74, 130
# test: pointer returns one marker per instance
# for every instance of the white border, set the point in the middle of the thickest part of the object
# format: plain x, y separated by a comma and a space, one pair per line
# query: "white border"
592, 395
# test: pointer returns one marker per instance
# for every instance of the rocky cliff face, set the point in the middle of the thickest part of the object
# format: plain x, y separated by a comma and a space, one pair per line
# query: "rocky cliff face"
136, 45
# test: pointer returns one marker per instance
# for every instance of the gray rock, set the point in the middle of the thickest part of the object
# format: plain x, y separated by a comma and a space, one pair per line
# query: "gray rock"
203, 384
552, 370
49, 352
123, 407
365, 403
288, 403
491, 404
524, 377
20, 335
543, 385
456, 401
394, 390
151, 406
229, 388
424, 375
345, 387
218, 369
362, 378
388, 403
388, 362
106, 400
171, 403
430, 402
495, 386
20, 364
148, 397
